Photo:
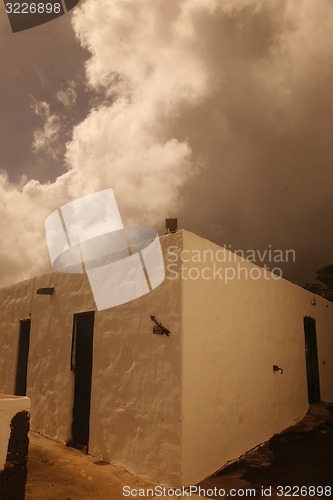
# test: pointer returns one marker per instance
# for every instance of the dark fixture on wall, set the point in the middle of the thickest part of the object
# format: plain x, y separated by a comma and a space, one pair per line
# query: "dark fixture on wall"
159, 329
171, 225
45, 291
276, 368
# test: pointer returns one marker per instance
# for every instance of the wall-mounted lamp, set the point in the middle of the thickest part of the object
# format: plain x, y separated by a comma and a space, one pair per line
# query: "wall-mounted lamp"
276, 368
45, 291
159, 329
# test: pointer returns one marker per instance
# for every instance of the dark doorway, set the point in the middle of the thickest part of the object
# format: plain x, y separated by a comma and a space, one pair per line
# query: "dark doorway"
311, 360
81, 365
22, 358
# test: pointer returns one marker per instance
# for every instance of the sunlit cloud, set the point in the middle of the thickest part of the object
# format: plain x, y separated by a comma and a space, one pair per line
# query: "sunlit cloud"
45, 137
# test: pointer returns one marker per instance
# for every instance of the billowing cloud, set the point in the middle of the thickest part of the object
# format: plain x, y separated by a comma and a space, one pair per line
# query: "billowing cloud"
217, 111
246, 86
45, 137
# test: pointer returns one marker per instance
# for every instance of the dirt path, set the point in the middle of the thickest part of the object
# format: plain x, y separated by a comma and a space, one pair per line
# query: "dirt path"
300, 456
61, 473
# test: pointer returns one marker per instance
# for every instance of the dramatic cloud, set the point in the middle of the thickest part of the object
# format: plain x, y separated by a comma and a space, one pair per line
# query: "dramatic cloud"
219, 112
246, 86
45, 138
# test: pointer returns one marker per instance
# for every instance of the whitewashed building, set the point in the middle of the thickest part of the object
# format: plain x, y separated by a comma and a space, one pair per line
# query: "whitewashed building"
241, 362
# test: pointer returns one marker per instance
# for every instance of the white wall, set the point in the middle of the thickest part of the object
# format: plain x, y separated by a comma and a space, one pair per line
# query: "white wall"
136, 385
171, 409
15, 305
232, 335
135, 406
9, 407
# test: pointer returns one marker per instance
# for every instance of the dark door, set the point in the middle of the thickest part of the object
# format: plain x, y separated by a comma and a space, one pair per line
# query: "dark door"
81, 364
311, 360
22, 358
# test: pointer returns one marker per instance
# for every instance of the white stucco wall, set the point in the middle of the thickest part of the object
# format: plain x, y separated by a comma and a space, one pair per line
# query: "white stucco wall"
135, 404
171, 409
15, 303
136, 384
232, 335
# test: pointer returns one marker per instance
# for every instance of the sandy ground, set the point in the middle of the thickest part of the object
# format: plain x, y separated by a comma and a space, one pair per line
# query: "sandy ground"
58, 472
300, 456
61, 473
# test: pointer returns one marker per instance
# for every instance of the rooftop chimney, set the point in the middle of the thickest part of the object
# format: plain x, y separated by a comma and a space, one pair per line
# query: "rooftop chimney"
171, 225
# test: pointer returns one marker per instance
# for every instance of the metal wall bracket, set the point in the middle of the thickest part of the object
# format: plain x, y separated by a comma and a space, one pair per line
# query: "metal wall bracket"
159, 329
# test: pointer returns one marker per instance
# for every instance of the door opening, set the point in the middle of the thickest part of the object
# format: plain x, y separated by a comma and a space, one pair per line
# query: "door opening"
81, 365
22, 358
311, 353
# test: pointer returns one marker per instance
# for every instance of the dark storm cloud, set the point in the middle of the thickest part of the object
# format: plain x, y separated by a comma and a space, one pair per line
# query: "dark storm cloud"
265, 133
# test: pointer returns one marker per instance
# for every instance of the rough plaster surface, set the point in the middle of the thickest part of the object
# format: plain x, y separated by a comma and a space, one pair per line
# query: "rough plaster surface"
171, 409
232, 335
9, 407
135, 419
136, 385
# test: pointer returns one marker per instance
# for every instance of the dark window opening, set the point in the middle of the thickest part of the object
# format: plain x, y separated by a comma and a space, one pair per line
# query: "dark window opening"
311, 354
22, 358
81, 365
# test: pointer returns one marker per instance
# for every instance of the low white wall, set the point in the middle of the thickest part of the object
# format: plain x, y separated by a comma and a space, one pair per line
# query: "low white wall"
232, 335
135, 405
9, 407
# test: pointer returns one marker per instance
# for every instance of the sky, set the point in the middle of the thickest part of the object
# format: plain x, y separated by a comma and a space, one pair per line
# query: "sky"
218, 113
